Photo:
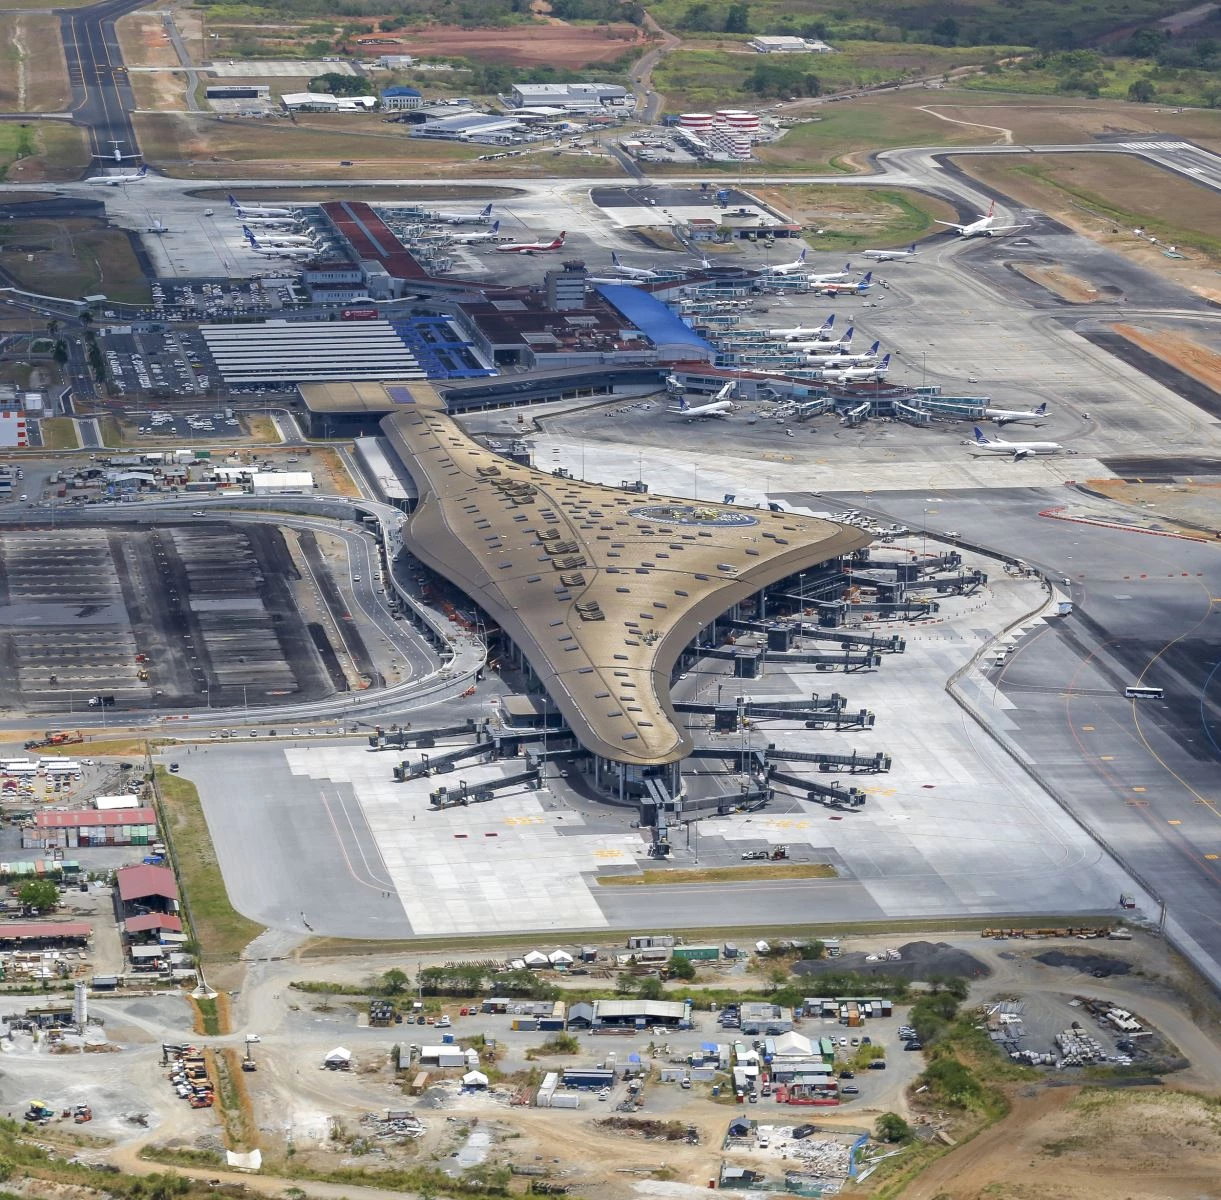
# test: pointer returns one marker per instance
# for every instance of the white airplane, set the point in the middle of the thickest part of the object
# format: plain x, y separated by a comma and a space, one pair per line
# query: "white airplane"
533, 247
272, 238
484, 235
158, 226
258, 210
792, 268
852, 289
834, 361
852, 374
797, 332
719, 406
1021, 416
831, 276
268, 222
631, 272
1015, 450
890, 255
452, 218
823, 348
115, 155
119, 180
983, 227
280, 251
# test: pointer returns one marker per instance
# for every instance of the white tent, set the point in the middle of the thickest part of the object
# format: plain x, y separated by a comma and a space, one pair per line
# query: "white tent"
792, 1045
536, 958
338, 1055
474, 1079
560, 958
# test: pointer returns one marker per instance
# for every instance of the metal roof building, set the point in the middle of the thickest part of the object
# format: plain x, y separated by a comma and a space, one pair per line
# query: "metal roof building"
673, 338
138, 883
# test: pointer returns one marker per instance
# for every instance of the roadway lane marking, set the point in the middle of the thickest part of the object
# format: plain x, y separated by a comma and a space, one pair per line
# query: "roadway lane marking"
1087, 729
1106, 758
1138, 789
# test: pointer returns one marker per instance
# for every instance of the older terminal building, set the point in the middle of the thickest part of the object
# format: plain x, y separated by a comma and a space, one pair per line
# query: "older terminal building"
599, 591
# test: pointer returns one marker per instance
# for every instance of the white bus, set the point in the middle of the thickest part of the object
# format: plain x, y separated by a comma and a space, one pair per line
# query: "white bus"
1135, 692
18, 766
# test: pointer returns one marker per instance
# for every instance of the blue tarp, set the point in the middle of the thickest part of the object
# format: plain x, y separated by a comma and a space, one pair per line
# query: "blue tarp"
652, 318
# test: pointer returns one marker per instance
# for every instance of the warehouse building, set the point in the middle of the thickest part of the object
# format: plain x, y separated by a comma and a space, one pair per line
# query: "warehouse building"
237, 91
282, 483
324, 102
400, 98
571, 97
788, 45
145, 889
766, 1018
35, 935
116, 827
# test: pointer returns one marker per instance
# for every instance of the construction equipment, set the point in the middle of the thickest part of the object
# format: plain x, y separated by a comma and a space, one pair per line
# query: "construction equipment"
38, 1111
82, 1114
56, 737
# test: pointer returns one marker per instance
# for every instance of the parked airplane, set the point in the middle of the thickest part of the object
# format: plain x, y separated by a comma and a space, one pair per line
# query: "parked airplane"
452, 218
268, 222
890, 255
158, 226
983, 227
631, 272
533, 247
279, 251
115, 155
1015, 450
485, 235
850, 374
831, 276
792, 268
824, 348
797, 332
719, 406
852, 289
118, 180
258, 210
271, 238
1008, 416
850, 360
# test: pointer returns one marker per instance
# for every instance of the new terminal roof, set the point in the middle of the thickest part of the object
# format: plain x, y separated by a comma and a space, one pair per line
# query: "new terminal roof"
599, 588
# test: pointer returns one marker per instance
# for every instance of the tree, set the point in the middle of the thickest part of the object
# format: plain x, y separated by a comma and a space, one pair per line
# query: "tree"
682, 968
777, 977
1142, 91
650, 989
737, 18
60, 353
624, 984
892, 1128
39, 894
945, 32
394, 982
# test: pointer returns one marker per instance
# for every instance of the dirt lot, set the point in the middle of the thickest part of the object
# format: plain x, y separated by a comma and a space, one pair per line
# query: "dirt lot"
1075, 1144
880, 217
1067, 287
1188, 356
72, 258
1196, 505
33, 73
1106, 198
554, 44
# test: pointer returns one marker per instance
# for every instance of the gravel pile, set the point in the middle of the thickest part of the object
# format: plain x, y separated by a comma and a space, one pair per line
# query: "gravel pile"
1098, 965
917, 960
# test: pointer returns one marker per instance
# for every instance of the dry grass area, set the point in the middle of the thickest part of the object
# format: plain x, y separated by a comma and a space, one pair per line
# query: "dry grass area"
550, 44
144, 40
1092, 1144
747, 874
1105, 197
879, 216
33, 71
1067, 287
406, 193
195, 147
1181, 352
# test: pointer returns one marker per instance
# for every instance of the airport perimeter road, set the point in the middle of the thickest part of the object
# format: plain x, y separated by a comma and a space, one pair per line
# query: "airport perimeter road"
1143, 776
102, 96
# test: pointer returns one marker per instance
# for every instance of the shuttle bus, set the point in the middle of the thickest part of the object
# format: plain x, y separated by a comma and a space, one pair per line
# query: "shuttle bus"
1135, 692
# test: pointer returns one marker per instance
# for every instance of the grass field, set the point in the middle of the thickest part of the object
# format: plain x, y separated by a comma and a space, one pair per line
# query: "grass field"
221, 931
33, 72
1114, 76
41, 150
721, 874
849, 218
59, 433
704, 72
1116, 191
72, 258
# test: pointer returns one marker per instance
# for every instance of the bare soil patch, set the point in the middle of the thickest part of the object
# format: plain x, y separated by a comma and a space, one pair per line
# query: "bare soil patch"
1181, 352
1067, 287
1196, 505
721, 875
144, 40
523, 46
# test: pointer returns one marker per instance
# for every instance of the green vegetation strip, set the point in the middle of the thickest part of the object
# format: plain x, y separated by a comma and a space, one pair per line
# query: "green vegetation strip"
59, 433
721, 874
219, 929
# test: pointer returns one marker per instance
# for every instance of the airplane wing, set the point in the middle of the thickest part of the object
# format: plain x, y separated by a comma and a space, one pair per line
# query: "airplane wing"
1019, 455
1006, 228
950, 224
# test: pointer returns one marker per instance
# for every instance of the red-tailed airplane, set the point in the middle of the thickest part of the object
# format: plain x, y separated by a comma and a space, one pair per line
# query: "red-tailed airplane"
532, 247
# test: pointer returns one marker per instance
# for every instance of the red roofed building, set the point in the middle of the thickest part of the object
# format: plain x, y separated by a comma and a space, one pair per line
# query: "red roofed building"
153, 923
145, 889
48, 933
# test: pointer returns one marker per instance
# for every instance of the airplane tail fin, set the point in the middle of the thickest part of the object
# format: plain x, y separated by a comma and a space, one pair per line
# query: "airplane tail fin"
615, 258
1041, 410
560, 240
487, 212
847, 267
912, 248
495, 227
979, 436
682, 404
992, 208
828, 324
801, 257
142, 172
249, 235
867, 280
874, 349
848, 336
884, 365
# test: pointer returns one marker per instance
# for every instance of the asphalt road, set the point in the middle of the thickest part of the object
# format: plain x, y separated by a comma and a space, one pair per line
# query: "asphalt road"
102, 97
1142, 776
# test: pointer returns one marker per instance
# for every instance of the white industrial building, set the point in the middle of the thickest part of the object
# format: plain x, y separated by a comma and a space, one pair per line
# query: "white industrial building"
305, 351
281, 483
487, 128
788, 45
571, 97
325, 102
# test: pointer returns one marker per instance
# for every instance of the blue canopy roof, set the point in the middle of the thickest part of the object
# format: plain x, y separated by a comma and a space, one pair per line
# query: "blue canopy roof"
652, 318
